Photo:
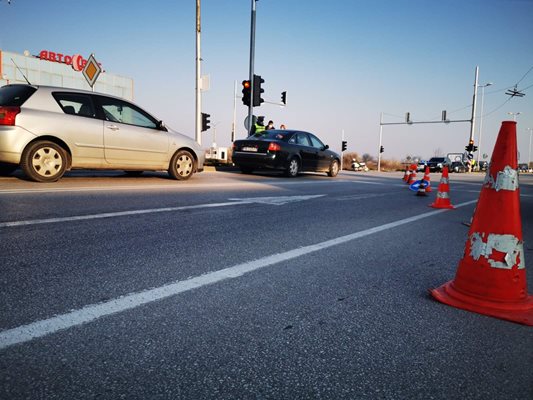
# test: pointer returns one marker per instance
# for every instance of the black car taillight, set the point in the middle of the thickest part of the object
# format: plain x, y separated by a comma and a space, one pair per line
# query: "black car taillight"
274, 147
8, 114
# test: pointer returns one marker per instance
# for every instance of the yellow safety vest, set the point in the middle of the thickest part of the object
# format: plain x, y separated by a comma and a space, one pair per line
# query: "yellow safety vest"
259, 128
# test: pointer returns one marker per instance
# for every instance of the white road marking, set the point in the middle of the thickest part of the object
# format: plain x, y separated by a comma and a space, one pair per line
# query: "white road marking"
235, 202
115, 214
277, 200
365, 182
362, 196
130, 301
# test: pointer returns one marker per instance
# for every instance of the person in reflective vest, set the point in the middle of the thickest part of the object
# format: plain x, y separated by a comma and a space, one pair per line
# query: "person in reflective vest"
259, 126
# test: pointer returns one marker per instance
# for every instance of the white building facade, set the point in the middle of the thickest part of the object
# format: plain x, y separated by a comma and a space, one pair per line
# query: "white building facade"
52, 68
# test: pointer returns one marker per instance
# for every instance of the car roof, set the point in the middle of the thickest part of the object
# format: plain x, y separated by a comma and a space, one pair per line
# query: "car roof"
64, 89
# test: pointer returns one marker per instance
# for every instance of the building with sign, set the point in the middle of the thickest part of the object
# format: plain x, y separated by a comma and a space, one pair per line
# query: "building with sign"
52, 68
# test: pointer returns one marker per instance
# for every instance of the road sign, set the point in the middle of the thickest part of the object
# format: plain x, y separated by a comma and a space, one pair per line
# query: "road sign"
91, 71
414, 186
254, 120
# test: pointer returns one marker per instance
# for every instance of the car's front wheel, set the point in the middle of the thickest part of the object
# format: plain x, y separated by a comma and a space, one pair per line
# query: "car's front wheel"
333, 169
181, 165
44, 161
293, 168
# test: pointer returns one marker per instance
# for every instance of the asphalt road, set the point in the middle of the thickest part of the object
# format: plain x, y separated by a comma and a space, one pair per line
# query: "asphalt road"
232, 286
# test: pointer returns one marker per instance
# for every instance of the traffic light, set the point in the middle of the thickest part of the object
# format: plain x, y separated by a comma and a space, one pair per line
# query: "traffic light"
246, 93
381, 149
344, 145
205, 121
470, 146
284, 97
257, 90
408, 117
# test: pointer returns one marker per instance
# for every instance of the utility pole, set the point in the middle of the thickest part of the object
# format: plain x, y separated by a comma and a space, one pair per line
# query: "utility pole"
198, 77
473, 121
233, 126
380, 138
342, 151
251, 74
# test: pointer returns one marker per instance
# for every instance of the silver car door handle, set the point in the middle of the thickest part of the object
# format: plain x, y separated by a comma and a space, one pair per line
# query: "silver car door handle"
112, 127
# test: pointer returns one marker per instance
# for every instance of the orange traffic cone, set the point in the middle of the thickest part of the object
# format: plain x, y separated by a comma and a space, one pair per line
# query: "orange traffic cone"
406, 174
443, 194
427, 179
412, 178
491, 277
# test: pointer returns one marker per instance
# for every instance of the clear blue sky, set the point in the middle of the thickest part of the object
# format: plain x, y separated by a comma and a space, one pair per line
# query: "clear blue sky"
342, 63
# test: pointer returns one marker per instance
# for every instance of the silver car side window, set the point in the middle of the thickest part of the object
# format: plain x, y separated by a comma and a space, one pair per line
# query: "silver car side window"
75, 104
116, 110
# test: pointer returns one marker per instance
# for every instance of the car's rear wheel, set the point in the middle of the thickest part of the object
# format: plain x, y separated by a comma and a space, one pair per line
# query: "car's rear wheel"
7, 169
333, 169
44, 161
181, 165
293, 168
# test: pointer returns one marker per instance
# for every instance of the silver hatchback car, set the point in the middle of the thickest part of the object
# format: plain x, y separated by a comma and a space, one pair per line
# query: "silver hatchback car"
49, 130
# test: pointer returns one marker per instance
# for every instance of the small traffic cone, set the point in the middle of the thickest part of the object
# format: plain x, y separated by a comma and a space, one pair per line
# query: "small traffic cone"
491, 277
443, 194
412, 178
427, 179
422, 188
406, 174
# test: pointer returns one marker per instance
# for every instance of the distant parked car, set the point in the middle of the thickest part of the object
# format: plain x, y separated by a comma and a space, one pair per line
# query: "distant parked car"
523, 167
289, 151
421, 165
457, 166
49, 130
483, 165
436, 164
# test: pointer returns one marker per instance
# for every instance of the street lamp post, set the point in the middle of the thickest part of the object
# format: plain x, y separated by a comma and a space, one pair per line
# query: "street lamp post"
529, 154
481, 119
514, 115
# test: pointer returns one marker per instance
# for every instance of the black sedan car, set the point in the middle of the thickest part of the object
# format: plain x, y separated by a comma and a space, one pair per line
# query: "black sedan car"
289, 151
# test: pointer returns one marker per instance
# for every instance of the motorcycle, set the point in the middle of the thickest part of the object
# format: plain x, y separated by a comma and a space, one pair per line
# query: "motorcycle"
359, 166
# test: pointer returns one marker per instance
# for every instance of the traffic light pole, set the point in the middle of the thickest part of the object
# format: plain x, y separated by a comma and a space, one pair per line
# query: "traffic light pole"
251, 75
234, 126
342, 151
380, 138
198, 125
444, 120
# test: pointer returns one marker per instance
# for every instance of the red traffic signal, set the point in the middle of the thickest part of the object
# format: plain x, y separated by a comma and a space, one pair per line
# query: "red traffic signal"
246, 92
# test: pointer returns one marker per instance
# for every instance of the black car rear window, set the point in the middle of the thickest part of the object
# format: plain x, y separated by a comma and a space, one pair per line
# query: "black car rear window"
273, 134
15, 95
